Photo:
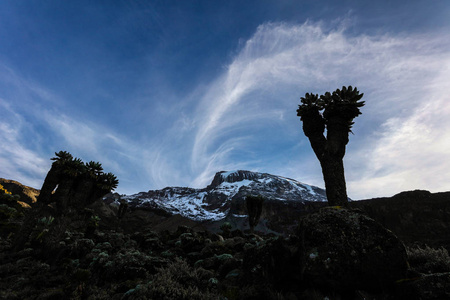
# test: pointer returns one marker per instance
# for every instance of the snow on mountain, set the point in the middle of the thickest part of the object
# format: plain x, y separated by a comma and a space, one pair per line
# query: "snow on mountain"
215, 201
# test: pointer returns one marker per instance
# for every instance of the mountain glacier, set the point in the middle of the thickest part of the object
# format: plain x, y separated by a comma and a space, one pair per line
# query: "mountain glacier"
225, 195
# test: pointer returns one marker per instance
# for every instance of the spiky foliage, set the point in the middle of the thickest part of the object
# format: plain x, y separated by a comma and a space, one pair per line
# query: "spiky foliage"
74, 168
62, 159
94, 169
342, 103
62, 156
310, 103
107, 181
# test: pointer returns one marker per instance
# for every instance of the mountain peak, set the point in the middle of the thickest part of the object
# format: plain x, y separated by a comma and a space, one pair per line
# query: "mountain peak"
226, 195
233, 176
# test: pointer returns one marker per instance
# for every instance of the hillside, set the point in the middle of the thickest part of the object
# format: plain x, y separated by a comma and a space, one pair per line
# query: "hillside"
415, 216
183, 243
27, 194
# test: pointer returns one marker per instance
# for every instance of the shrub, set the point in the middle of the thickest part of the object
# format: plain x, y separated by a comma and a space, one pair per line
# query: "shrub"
7, 195
7, 212
226, 229
428, 260
177, 281
4, 191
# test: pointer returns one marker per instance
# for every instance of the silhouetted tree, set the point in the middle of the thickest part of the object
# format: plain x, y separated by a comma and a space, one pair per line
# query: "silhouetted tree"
71, 183
86, 183
254, 209
69, 176
51, 181
335, 113
105, 183
123, 207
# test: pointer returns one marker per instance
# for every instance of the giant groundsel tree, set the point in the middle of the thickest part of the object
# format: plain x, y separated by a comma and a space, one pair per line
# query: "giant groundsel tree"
333, 112
72, 183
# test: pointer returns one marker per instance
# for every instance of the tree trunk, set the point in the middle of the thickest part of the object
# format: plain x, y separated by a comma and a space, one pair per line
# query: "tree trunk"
50, 183
63, 193
333, 175
83, 192
330, 152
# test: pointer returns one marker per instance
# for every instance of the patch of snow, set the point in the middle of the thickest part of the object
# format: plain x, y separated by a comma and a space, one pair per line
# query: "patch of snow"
267, 180
310, 189
226, 174
237, 184
232, 188
239, 216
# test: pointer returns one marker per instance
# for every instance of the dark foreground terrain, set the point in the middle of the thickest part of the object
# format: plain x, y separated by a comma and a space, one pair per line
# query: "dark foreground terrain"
315, 252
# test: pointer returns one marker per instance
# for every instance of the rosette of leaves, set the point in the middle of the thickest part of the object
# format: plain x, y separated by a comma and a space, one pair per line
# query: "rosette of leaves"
343, 104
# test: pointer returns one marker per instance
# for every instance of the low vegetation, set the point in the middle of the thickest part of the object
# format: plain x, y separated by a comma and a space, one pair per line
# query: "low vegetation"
64, 248
428, 260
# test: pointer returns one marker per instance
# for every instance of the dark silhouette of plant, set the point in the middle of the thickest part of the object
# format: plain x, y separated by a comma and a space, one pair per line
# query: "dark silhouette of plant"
61, 160
69, 175
335, 113
254, 209
71, 183
123, 207
226, 229
86, 182
107, 182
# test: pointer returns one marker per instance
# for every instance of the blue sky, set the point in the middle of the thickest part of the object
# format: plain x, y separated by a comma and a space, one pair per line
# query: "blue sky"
166, 93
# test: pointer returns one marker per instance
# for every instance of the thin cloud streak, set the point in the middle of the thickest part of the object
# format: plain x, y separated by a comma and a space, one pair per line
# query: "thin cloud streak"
411, 152
245, 118
394, 72
30, 133
16, 160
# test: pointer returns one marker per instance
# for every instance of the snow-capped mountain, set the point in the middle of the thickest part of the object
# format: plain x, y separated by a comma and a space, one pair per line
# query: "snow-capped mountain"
225, 195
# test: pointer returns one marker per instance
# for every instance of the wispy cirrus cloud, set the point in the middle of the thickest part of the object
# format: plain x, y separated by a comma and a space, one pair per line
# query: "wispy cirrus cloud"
18, 161
245, 117
33, 126
411, 151
283, 61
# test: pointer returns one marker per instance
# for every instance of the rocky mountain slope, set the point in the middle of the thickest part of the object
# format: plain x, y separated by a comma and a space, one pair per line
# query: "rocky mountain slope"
415, 216
334, 253
27, 194
225, 196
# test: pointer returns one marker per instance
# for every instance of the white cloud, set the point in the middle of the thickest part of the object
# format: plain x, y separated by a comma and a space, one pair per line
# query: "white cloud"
17, 161
411, 152
281, 62
31, 131
245, 118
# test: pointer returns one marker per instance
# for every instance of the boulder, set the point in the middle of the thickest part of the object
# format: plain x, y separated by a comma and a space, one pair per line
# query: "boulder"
343, 250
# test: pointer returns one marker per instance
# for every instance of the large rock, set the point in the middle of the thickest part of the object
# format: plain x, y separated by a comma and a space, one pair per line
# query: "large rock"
344, 250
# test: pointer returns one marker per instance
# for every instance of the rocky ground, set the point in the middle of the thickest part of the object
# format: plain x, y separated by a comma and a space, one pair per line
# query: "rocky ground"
333, 253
